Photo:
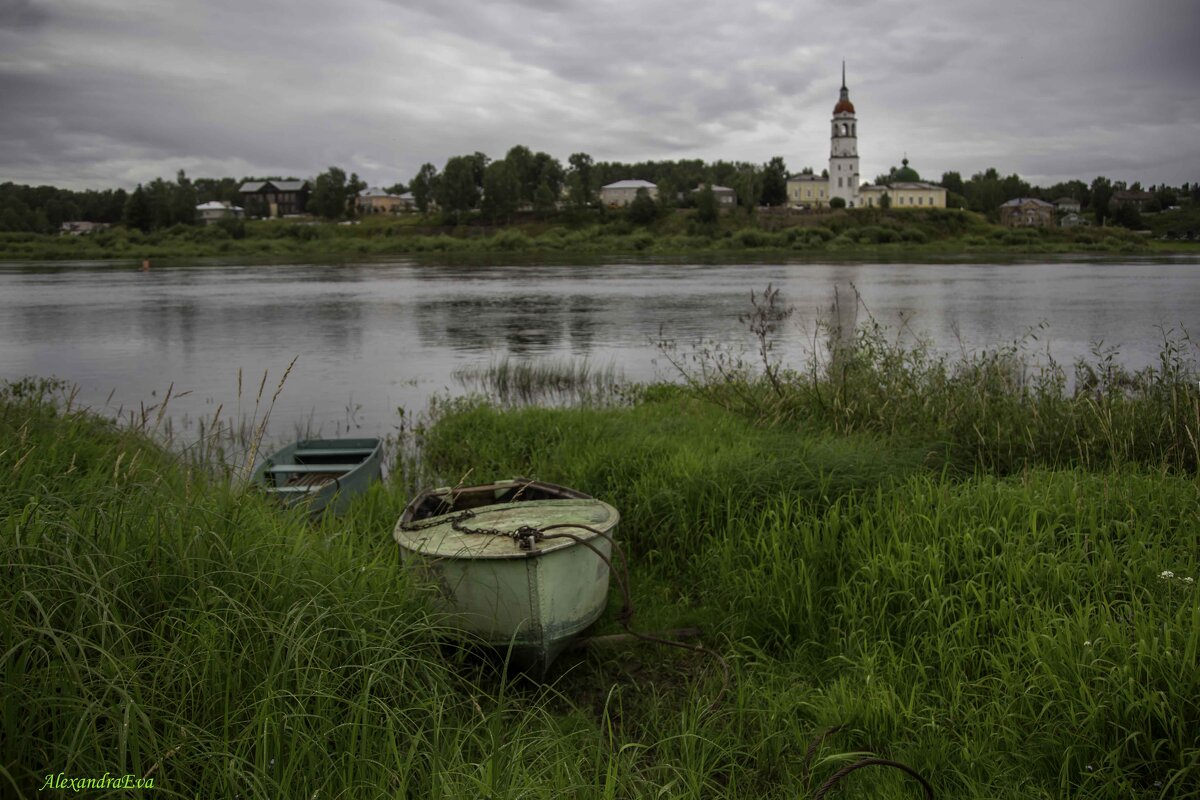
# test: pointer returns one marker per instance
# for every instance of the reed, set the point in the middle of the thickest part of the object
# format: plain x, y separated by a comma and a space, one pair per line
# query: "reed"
1000, 409
521, 381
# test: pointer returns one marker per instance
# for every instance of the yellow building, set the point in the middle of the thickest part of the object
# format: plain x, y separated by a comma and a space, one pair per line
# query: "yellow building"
904, 194
808, 190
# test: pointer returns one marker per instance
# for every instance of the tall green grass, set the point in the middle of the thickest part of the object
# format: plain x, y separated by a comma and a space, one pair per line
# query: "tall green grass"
1001, 409
1012, 622
1011, 636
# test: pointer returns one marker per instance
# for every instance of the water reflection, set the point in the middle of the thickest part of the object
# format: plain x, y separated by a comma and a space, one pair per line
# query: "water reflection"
389, 334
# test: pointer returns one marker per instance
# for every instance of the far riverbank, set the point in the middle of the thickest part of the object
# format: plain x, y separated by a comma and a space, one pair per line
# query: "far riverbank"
893, 234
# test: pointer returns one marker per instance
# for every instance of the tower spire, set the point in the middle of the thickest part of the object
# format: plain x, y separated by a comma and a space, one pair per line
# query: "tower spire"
843, 74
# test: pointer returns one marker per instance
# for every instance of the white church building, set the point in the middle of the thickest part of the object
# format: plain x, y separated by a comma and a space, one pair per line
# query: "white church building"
842, 179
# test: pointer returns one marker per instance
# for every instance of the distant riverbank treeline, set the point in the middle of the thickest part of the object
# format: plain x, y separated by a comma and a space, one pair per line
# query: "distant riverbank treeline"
521, 181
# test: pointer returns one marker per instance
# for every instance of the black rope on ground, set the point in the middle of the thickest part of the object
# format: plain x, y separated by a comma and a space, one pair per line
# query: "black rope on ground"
838, 776
812, 751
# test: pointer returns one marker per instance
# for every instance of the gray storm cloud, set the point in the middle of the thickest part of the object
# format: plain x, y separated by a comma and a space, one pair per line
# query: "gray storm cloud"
111, 92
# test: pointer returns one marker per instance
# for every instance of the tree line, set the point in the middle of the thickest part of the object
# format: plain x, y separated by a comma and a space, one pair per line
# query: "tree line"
526, 181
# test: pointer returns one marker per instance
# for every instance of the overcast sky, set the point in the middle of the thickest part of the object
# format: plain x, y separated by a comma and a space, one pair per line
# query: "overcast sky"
103, 93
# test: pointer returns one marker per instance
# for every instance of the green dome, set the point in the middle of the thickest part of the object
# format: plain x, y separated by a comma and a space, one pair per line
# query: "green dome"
905, 173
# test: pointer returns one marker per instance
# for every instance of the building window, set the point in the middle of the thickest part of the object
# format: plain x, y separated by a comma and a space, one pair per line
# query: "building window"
839, 183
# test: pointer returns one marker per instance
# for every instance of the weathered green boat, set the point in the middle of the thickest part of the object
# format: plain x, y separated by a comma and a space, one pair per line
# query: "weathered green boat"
321, 473
522, 566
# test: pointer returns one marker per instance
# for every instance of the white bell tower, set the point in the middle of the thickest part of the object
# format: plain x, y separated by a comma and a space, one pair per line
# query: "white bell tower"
843, 149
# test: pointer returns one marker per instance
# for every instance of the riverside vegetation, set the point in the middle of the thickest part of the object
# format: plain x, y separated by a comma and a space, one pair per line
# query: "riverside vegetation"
984, 571
900, 233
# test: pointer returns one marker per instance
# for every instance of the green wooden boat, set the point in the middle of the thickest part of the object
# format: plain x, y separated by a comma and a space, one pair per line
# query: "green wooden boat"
520, 565
321, 473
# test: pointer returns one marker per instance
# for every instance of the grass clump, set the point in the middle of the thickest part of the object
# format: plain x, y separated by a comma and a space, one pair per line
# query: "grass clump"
995, 409
522, 381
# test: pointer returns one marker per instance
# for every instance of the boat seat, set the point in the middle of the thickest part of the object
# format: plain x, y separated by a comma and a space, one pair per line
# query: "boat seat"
297, 489
292, 469
340, 452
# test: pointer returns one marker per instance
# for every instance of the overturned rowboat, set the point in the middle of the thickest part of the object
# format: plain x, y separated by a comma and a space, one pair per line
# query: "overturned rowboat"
321, 473
522, 566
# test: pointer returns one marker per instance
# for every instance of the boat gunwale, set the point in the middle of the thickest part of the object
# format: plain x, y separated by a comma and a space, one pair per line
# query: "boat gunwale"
400, 532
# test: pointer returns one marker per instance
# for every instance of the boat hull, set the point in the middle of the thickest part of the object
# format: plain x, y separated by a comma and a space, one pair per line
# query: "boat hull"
528, 605
532, 606
321, 474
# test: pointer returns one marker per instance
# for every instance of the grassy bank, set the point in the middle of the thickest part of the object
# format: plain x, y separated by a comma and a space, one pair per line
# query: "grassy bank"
864, 232
1008, 609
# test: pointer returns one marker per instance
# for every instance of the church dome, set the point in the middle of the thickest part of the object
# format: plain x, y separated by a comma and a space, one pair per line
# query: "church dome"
905, 173
844, 106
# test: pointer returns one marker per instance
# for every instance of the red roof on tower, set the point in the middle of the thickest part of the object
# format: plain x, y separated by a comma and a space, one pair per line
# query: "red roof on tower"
844, 106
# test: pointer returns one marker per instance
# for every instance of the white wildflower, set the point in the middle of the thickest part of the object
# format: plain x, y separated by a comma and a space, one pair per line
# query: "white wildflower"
1187, 581
1166, 575
1088, 643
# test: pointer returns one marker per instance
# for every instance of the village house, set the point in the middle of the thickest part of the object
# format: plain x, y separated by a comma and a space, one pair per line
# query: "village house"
214, 211
81, 228
1067, 205
275, 198
1138, 200
1027, 212
622, 193
374, 200
726, 197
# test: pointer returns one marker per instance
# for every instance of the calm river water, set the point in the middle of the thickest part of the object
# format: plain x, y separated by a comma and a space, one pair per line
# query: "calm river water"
372, 337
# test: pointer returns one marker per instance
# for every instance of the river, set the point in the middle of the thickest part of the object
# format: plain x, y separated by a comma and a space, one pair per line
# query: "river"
371, 337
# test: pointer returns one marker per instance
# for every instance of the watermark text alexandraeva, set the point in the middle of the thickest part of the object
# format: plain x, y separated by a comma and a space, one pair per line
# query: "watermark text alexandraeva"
66, 783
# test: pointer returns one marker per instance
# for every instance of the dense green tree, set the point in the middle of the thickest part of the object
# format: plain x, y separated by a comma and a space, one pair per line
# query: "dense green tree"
748, 185
1127, 216
985, 193
953, 182
885, 201
707, 210
137, 210
643, 210
524, 170
501, 190
183, 201
1102, 191
837, 202
424, 186
457, 191
479, 163
1014, 186
774, 182
580, 179
548, 170
328, 196
545, 200
396, 189
354, 185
